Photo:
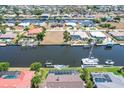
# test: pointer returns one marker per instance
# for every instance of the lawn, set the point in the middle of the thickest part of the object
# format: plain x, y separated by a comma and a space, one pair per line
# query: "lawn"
106, 69
44, 71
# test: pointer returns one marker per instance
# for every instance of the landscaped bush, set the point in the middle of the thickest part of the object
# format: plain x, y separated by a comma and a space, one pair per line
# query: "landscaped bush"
4, 66
35, 81
86, 77
67, 36
35, 66
121, 70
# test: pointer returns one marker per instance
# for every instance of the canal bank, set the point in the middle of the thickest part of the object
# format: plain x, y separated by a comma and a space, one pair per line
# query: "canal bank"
23, 56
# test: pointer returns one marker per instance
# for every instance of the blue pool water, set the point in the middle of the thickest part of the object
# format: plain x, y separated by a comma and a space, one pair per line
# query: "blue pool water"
9, 77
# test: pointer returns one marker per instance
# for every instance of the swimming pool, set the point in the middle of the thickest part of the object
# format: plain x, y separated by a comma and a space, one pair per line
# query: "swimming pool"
9, 77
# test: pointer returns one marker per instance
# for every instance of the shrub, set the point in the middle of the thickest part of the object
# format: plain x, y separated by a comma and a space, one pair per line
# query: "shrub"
4, 66
40, 35
35, 81
35, 66
67, 36
89, 84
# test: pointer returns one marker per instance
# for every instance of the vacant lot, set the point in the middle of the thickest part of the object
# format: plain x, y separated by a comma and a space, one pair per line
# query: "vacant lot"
118, 25
53, 37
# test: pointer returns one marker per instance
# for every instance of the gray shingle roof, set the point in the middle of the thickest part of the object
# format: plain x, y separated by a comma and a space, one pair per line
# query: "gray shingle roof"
116, 81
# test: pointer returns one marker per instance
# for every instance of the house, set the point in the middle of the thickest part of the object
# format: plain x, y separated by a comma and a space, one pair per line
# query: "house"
107, 80
118, 35
98, 35
8, 35
34, 31
15, 79
87, 23
63, 79
78, 35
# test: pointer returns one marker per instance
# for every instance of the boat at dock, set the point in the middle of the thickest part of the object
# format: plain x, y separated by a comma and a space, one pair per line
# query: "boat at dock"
49, 65
109, 45
109, 62
86, 46
3, 44
61, 66
90, 61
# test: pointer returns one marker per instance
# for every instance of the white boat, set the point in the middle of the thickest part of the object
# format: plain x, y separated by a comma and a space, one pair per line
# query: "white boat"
109, 62
49, 64
2, 44
90, 61
60, 66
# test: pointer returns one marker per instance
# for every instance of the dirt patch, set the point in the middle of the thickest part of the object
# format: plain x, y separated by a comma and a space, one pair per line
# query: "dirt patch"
53, 37
118, 25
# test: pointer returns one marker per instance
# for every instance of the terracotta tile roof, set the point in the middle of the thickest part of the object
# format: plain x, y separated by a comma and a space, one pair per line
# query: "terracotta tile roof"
23, 81
34, 31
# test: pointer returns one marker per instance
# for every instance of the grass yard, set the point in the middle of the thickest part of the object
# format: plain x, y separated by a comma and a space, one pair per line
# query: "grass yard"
106, 69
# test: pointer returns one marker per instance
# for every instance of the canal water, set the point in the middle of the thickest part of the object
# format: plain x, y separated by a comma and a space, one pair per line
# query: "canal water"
23, 56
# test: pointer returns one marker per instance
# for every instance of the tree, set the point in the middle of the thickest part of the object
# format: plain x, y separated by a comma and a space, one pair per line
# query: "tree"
121, 70
3, 29
4, 66
12, 28
105, 25
89, 84
40, 35
90, 40
26, 28
16, 23
67, 36
96, 20
103, 19
117, 18
1, 19
35, 81
37, 12
35, 66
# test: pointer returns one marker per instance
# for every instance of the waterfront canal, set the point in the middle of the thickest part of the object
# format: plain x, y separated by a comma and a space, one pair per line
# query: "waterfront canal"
23, 56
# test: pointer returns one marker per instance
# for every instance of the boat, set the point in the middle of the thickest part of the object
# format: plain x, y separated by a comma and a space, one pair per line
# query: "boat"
109, 62
90, 61
109, 45
49, 65
3, 44
86, 46
60, 66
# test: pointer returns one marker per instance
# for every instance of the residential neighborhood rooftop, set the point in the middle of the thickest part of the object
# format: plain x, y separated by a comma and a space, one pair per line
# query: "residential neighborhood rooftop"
107, 80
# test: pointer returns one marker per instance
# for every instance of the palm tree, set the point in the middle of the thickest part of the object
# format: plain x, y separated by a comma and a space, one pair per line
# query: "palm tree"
12, 28
3, 28
67, 36
26, 28
36, 81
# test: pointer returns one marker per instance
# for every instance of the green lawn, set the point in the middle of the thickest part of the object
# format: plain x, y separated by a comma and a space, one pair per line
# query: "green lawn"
44, 71
106, 69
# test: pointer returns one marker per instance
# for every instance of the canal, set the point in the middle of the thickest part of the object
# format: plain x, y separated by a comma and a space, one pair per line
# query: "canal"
23, 56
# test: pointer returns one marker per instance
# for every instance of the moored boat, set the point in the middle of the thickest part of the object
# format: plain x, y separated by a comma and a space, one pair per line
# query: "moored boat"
109, 62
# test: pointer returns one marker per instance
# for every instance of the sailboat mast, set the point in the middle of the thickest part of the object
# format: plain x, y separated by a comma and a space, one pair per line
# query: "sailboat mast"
91, 50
